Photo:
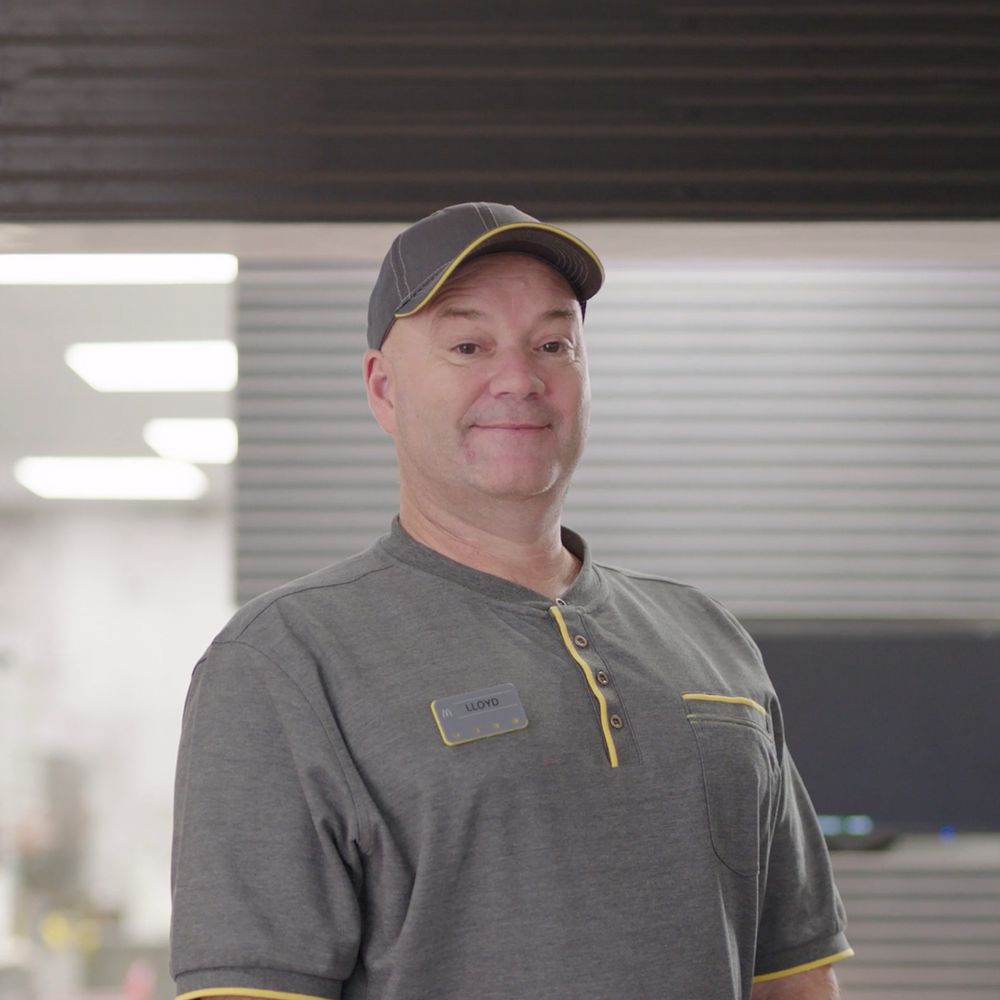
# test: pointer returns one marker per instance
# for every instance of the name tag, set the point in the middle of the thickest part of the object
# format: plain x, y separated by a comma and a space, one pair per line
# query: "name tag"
475, 715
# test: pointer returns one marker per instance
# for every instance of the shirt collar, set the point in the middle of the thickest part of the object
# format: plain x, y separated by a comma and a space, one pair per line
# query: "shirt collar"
585, 591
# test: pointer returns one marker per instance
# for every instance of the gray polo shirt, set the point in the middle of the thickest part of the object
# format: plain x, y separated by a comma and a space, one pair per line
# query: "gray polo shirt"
404, 779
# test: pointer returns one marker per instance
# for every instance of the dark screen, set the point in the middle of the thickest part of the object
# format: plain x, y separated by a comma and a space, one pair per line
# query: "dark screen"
904, 728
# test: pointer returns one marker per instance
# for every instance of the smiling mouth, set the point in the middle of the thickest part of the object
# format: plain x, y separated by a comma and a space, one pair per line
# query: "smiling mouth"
512, 427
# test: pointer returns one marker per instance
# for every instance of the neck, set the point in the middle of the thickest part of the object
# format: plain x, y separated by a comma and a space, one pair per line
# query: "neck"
512, 542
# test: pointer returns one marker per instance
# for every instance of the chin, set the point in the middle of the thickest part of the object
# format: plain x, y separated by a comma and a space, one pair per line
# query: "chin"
517, 487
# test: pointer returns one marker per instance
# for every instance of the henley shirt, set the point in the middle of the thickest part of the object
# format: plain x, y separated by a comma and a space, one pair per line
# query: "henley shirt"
401, 778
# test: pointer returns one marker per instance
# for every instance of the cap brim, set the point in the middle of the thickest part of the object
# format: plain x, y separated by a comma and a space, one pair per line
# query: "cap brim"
563, 251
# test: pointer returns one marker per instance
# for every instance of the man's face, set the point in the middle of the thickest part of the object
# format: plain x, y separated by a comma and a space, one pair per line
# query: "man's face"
486, 389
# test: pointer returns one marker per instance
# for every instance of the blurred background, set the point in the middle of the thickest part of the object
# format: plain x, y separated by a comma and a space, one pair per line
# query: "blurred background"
795, 365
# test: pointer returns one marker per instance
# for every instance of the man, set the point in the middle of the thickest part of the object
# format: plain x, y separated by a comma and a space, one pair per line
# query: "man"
471, 761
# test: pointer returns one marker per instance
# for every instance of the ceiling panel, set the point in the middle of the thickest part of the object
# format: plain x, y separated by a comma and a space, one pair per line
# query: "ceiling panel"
306, 111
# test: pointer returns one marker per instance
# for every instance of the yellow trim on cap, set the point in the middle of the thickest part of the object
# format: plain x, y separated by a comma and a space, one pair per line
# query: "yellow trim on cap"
591, 683
728, 699
806, 967
243, 991
486, 236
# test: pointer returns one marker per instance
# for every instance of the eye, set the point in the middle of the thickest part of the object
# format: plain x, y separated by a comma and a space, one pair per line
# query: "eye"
553, 347
467, 348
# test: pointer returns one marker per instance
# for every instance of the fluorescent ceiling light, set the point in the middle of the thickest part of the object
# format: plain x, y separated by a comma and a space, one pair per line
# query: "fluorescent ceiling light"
110, 478
190, 440
156, 366
118, 268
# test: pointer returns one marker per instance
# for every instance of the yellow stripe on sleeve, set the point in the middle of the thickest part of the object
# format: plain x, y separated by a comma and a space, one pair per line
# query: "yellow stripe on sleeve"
244, 991
806, 967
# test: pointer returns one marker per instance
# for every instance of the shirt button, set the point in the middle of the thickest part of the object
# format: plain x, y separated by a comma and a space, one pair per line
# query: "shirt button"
616, 721
602, 677
581, 641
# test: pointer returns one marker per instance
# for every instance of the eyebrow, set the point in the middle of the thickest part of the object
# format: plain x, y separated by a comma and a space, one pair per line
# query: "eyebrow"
561, 312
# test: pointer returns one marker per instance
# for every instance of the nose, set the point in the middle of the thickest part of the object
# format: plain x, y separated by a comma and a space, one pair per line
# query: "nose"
516, 374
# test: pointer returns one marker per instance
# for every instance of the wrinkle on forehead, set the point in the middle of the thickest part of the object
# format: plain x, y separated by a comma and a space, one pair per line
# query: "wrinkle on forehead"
524, 269
468, 312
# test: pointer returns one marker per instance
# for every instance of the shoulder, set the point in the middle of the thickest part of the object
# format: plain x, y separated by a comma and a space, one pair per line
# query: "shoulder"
639, 579
688, 605
285, 640
656, 587
336, 591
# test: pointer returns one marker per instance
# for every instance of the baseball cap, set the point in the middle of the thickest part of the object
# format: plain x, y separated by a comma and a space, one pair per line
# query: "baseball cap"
423, 257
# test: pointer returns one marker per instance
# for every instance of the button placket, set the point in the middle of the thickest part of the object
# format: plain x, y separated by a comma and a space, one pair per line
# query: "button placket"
611, 715
624, 738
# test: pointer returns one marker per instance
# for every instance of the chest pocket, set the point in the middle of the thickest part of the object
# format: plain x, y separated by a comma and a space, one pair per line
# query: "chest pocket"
739, 766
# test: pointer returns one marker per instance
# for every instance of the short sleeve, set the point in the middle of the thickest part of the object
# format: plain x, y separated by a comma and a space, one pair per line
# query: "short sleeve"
802, 921
266, 860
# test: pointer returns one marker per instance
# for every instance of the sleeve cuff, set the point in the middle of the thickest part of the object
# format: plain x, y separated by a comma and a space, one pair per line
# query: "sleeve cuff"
802, 958
261, 984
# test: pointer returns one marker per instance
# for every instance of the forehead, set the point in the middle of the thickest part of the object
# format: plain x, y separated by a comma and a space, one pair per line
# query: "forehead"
491, 272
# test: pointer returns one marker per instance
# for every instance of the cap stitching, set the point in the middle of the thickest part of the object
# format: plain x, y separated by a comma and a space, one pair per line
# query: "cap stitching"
402, 265
482, 218
395, 273
492, 215
430, 279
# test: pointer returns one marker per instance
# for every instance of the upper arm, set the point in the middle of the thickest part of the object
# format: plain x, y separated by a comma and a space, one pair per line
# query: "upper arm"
816, 984
802, 918
266, 861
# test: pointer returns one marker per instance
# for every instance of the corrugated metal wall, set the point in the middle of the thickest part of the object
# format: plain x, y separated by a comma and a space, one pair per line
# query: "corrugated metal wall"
924, 921
803, 442
315, 476
308, 111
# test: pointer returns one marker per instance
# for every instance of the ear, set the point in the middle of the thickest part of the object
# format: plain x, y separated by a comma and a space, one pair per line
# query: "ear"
379, 385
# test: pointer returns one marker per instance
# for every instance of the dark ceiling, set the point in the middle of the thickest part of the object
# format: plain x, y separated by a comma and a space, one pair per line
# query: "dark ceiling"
246, 110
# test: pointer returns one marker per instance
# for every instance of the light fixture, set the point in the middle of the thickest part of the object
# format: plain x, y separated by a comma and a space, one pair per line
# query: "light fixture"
156, 366
118, 268
110, 478
208, 441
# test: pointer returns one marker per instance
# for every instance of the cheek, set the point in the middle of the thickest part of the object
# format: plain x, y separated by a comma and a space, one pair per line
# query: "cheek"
574, 395
433, 412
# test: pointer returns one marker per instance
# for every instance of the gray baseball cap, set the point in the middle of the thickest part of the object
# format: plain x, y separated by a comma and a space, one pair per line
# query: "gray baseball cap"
424, 256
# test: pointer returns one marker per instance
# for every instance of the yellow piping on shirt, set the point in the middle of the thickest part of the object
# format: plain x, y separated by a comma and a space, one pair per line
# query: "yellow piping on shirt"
591, 683
731, 700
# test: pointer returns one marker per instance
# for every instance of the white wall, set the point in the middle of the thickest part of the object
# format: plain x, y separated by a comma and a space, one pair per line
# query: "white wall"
104, 610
